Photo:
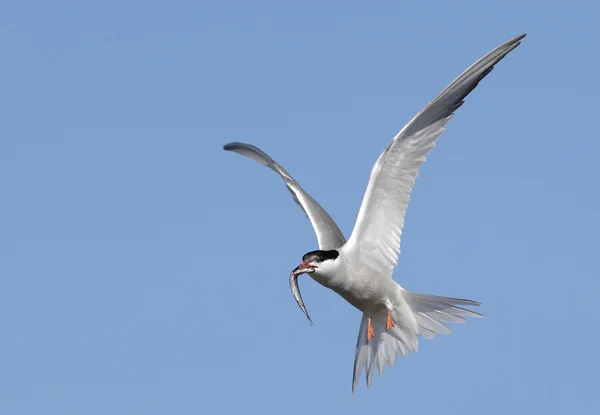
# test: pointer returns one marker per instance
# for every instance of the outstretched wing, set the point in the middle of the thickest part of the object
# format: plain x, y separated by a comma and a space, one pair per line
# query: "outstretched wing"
376, 235
328, 233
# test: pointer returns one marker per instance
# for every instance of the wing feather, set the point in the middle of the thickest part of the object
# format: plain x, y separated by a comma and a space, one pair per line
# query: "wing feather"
378, 229
327, 231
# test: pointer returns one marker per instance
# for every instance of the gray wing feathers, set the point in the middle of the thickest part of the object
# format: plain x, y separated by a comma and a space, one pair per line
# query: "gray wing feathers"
452, 97
378, 229
328, 233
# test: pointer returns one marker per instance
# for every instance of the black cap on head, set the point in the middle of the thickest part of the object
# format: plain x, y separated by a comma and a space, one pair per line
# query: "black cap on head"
320, 256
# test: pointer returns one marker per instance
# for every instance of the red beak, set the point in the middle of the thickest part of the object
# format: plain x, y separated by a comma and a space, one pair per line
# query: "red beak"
303, 268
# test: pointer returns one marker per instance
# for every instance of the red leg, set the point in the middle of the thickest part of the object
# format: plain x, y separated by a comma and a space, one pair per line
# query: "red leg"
389, 323
370, 332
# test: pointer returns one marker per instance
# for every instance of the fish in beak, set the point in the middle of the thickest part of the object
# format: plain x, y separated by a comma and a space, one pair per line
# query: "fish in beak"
303, 268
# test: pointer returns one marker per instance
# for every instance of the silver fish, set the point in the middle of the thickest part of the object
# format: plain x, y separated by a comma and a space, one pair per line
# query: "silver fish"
296, 292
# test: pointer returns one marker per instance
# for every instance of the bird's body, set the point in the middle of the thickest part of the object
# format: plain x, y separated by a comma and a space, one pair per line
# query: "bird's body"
359, 284
360, 269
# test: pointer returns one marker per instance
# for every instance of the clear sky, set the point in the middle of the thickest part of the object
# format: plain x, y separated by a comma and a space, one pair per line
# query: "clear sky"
144, 270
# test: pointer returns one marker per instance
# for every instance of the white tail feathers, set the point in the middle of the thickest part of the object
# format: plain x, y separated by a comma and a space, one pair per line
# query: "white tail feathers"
430, 312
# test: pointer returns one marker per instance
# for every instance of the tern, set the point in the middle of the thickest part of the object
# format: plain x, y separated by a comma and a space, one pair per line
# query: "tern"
360, 269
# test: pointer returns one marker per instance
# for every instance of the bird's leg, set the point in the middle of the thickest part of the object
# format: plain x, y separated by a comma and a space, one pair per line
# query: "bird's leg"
389, 323
370, 332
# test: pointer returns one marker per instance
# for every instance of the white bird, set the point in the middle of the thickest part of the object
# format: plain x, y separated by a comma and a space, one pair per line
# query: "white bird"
360, 269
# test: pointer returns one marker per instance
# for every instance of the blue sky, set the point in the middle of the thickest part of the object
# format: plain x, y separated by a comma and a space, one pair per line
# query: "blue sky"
144, 270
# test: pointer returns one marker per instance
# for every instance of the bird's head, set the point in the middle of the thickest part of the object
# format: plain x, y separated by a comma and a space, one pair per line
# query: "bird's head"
320, 262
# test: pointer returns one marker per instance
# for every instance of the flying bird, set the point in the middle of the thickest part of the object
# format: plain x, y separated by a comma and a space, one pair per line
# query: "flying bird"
360, 269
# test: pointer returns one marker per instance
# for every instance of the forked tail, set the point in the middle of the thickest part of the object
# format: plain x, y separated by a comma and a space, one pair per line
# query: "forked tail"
430, 312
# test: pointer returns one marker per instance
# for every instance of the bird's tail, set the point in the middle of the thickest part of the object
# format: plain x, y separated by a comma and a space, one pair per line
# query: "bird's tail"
429, 312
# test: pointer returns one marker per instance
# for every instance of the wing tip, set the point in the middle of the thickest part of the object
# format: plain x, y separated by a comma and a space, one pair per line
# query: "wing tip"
508, 47
517, 38
232, 146
514, 42
254, 153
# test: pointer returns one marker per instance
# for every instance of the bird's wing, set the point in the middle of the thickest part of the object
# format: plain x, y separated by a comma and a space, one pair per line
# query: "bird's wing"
376, 235
328, 233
